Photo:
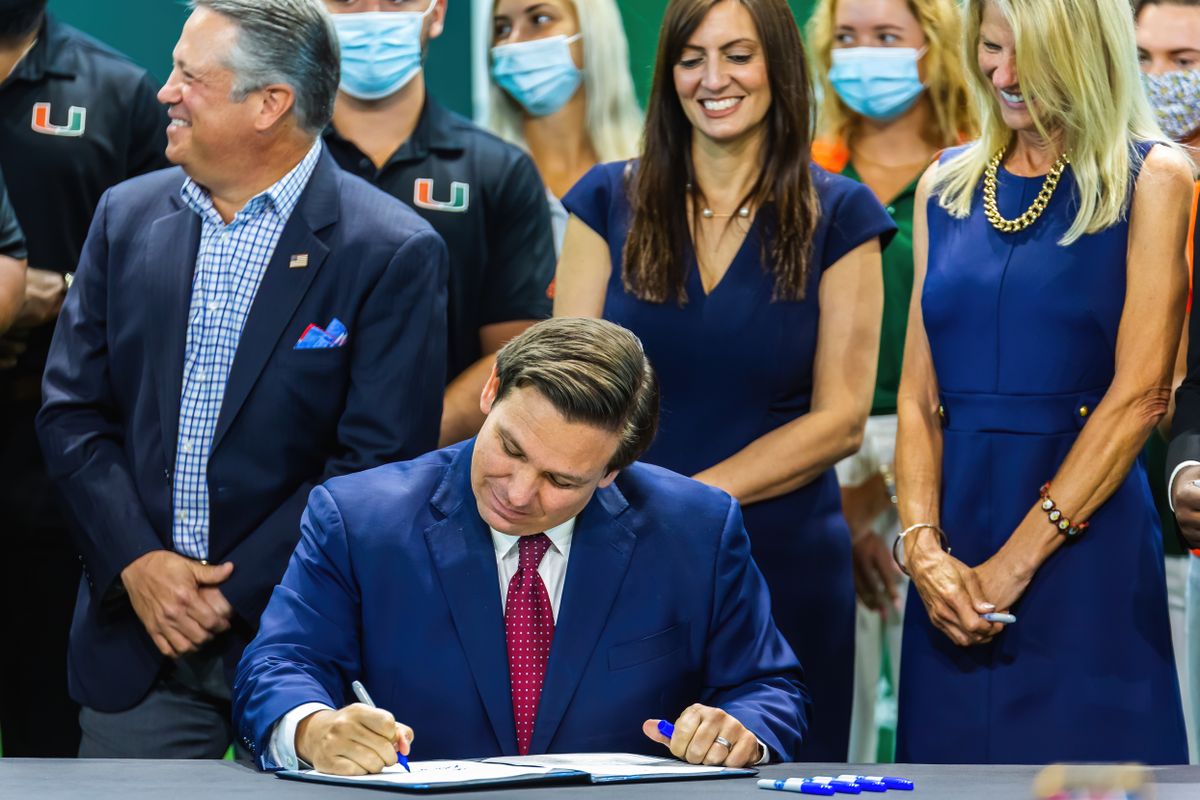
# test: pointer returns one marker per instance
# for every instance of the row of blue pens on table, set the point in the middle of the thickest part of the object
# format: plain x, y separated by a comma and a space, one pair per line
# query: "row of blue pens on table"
844, 784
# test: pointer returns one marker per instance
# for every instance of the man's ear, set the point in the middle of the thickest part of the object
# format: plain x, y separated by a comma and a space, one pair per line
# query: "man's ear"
607, 480
488, 398
277, 101
437, 21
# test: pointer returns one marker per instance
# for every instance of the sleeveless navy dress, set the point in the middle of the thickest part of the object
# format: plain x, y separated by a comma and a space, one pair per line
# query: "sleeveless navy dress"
1023, 334
733, 366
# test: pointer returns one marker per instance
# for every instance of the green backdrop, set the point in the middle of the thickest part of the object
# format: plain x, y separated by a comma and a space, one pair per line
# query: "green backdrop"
642, 18
146, 30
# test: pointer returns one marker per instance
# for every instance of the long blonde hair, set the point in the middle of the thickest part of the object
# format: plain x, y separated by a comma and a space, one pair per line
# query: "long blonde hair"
614, 120
1078, 64
954, 116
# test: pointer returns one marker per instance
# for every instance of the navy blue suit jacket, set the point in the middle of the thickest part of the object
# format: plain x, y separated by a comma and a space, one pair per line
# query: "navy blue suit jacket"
395, 582
289, 418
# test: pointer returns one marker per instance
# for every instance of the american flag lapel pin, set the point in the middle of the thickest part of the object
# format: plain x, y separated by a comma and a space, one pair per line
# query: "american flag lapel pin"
298, 261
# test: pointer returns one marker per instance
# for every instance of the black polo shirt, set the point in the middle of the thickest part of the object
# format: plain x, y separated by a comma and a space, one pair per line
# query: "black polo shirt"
12, 241
484, 197
76, 117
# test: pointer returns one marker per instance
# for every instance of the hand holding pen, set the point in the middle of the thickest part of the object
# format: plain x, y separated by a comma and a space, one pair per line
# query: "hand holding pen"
706, 735
359, 739
401, 741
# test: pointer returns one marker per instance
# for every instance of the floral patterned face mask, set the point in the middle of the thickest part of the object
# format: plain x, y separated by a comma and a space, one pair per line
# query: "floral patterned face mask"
1175, 97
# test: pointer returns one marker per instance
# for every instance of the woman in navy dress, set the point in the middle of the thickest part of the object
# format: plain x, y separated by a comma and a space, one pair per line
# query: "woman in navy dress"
1051, 282
753, 279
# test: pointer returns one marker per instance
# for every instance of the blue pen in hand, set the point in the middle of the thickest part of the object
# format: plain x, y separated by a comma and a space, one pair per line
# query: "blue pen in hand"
996, 616
360, 692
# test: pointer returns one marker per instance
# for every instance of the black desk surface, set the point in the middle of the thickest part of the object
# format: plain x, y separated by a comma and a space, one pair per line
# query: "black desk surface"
214, 780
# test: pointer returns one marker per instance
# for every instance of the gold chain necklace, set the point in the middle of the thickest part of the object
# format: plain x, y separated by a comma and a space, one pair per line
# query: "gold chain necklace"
992, 211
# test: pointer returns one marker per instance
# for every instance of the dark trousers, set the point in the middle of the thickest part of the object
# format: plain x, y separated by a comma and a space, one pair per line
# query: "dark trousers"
185, 715
39, 577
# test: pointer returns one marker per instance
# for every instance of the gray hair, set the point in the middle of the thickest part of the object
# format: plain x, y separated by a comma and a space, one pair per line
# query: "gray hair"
591, 371
292, 42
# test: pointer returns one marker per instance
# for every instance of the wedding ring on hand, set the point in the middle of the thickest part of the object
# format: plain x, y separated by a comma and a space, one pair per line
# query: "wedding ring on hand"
721, 740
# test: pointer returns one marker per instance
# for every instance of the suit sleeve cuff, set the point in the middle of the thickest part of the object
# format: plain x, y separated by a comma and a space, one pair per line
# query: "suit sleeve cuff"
1171, 483
282, 746
764, 754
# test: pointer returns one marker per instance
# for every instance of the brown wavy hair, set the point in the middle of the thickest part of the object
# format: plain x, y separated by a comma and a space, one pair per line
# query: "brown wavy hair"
655, 266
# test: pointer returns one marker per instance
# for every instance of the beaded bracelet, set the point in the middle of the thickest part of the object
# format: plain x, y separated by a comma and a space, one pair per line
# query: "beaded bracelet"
1056, 516
942, 540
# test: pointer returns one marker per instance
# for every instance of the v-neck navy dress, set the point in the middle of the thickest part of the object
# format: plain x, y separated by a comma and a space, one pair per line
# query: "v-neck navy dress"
1023, 334
734, 366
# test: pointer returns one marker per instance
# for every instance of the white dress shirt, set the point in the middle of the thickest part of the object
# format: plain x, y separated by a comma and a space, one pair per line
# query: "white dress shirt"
553, 569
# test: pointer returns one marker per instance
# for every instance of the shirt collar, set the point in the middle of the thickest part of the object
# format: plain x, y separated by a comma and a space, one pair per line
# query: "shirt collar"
560, 538
49, 56
435, 131
283, 195
907, 193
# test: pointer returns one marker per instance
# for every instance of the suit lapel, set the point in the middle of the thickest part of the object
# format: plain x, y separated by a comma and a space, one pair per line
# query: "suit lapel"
462, 552
601, 548
281, 290
173, 245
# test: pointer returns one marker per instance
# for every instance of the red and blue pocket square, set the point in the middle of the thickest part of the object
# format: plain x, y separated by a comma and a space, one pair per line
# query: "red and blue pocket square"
315, 337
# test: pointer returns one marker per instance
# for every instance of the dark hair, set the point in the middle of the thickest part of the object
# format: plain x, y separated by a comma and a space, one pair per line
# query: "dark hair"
1139, 5
18, 20
654, 257
292, 42
591, 371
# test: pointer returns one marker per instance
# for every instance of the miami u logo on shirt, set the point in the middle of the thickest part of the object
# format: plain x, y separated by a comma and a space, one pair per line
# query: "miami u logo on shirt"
76, 121
459, 202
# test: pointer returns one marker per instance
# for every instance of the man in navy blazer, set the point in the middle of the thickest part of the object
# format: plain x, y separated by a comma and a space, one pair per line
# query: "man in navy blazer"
240, 329
659, 611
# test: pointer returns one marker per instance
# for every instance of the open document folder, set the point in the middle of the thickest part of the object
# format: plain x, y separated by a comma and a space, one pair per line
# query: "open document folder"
507, 770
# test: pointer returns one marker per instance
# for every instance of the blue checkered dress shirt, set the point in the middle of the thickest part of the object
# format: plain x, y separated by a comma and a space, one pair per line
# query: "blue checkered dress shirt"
230, 264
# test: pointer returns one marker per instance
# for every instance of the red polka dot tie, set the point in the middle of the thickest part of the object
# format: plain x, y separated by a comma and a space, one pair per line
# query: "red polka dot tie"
529, 626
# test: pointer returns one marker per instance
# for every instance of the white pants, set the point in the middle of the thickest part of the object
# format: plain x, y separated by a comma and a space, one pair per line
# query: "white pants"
874, 694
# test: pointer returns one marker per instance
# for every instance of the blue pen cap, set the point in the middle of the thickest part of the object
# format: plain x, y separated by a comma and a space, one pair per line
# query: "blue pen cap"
903, 784
838, 784
796, 785
864, 783
666, 728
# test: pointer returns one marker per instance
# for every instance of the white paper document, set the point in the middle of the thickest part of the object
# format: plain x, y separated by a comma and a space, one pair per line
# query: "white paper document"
426, 773
610, 765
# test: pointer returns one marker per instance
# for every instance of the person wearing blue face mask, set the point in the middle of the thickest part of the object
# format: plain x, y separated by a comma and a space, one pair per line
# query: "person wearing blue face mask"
481, 194
895, 93
561, 89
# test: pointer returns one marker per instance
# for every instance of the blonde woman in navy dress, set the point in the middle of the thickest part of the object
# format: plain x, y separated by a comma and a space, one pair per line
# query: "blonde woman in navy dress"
1050, 289
753, 279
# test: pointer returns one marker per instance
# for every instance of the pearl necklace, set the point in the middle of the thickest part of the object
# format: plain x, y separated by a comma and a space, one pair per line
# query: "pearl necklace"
707, 213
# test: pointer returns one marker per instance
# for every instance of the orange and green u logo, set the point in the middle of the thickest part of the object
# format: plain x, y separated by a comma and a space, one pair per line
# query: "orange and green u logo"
460, 196
76, 121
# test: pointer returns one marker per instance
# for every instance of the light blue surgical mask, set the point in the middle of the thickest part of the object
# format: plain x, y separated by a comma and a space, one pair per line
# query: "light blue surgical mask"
540, 74
381, 51
877, 82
